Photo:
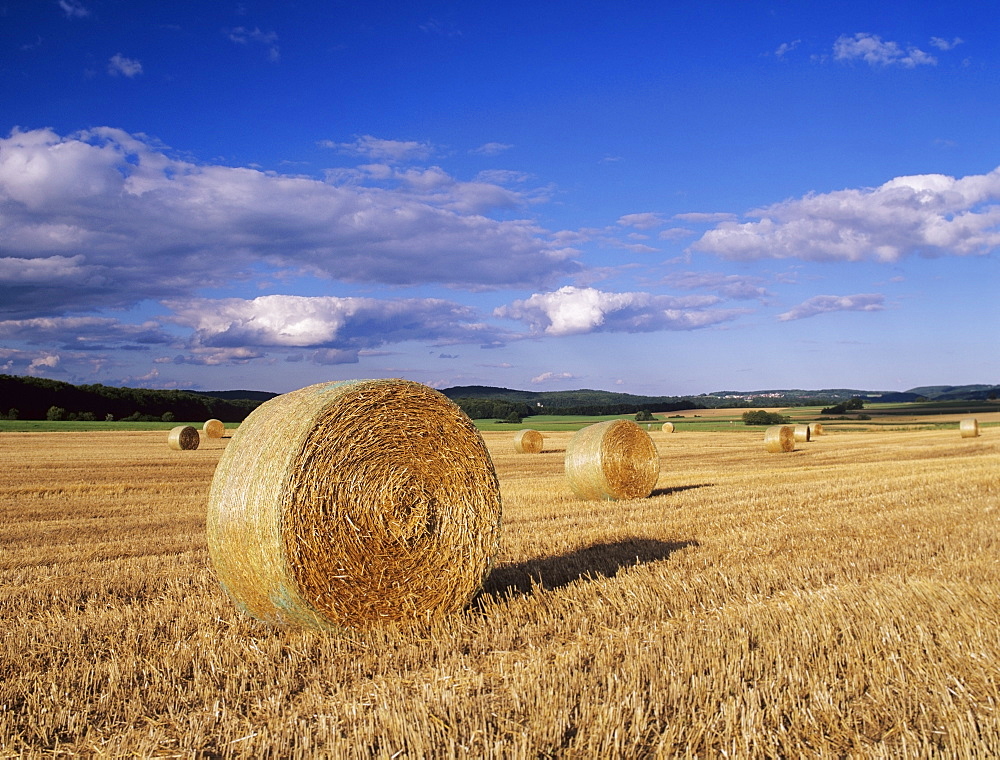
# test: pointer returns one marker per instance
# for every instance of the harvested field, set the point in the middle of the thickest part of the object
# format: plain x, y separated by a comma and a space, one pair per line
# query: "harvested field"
840, 600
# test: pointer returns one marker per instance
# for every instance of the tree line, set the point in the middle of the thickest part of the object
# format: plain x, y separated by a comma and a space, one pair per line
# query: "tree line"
36, 398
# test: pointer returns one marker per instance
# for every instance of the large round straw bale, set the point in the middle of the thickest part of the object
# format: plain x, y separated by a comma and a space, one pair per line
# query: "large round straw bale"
183, 438
969, 427
779, 438
612, 460
527, 441
801, 433
815, 429
343, 505
668, 427
214, 428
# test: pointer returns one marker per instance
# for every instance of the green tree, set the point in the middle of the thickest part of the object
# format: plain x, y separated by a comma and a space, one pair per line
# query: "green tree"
644, 415
760, 417
167, 417
55, 414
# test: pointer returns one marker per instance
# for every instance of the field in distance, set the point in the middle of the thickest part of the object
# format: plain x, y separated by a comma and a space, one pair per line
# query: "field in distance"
839, 600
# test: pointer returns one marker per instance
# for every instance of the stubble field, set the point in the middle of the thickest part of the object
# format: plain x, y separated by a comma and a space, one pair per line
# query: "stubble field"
842, 600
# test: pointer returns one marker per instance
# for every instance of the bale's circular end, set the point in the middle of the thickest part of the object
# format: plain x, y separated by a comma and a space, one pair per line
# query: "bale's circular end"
802, 433
815, 429
779, 439
214, 428
344, 505
969, 427
183, 438
612, 460
528, 441
668, 427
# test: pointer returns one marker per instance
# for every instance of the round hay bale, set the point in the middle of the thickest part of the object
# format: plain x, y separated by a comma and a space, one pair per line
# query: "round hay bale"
214, 428
802, 433
183, 438
815, 429
668, 427
346, 504
779, 439
528, 441
612, 460
969, 427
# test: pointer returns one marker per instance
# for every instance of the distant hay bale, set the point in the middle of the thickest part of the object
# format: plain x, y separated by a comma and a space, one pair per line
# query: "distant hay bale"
612, 460
969, 427
528, 441
779, 438
214, 428
815, 429
802, 433
183, 438
347, 504
668, 427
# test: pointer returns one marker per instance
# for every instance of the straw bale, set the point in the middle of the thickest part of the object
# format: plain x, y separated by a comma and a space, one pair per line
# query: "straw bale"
214, 428
779, 439
969, 427
612, 460
346, 504
815, 429
183, 438
802, 433
668, 427
528, 441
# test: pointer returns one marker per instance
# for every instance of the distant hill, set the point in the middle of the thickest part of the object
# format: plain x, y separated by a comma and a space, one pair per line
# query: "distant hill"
33, 398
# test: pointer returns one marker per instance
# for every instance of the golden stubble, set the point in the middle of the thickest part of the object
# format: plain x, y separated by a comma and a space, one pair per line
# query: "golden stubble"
839, 600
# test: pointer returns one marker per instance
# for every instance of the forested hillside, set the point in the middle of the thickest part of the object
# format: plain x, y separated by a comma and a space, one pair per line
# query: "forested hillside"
35, 398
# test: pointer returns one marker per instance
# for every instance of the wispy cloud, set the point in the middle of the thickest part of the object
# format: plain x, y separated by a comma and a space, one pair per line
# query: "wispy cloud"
492, 149
573, 310
943, 44
119, 65
730, 286
786, 47
641, 221
826, 304
378, 149
551, 377
73, 8
875, 51
244, 36
927, 214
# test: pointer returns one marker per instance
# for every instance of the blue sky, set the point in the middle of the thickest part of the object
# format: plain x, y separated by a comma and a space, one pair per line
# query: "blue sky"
667, 199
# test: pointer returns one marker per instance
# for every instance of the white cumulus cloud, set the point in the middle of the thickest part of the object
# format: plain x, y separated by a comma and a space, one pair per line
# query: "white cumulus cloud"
875, 51
931, 215
573, 310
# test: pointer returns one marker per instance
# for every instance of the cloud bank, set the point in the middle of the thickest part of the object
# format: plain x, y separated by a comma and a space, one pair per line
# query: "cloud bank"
120, 220
826, 304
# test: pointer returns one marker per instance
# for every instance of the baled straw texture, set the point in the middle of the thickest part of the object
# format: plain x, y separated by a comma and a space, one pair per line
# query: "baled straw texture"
528, 441
214, 428
612, 460
802, 433
779, 439
969, 427
183, 438
342, 505
668, 427
815, 429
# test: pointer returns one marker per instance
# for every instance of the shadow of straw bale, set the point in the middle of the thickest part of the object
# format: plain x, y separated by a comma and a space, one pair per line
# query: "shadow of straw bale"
598, 561
678, 489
